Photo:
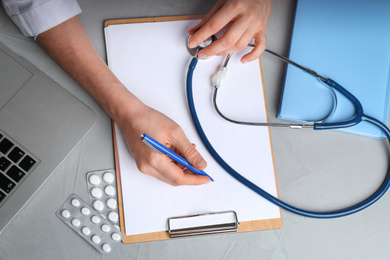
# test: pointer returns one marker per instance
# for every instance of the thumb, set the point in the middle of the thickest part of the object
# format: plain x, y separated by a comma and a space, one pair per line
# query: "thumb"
189, 152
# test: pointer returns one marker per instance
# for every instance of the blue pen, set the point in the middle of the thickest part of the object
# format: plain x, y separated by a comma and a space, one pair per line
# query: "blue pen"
174, 156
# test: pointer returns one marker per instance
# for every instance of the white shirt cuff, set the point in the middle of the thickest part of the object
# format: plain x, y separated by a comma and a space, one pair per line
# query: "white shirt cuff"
44, 17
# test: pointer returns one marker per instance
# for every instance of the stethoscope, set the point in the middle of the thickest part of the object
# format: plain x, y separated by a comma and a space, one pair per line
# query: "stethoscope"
317, 125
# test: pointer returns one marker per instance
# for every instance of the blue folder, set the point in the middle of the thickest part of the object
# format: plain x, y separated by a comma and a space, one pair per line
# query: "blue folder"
347, 41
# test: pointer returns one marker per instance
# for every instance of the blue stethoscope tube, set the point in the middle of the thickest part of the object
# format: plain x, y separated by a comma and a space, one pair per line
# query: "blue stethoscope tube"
359, 116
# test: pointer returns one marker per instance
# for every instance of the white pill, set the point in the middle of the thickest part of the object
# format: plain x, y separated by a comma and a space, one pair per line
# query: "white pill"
85, 211
98, 205
96, 192
108, 177
113, 216
75, 222
106, 228
95, 219
106, 248
75, 202
111, 203
96, 239
65, 213
109, 190
86, 231
94, 179
115, 236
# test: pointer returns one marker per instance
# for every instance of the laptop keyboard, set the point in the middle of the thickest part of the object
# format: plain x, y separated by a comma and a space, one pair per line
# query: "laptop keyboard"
15, 165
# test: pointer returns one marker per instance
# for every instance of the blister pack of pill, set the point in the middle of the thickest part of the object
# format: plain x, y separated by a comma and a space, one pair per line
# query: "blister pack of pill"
89, 224
102, 194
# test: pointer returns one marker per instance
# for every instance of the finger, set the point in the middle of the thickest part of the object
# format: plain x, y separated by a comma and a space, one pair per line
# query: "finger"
233, 40
213, 11
241, 44
201, 23
211, 27
260, 45
189, 151
178, 152
176, 177
165, 169
199, 178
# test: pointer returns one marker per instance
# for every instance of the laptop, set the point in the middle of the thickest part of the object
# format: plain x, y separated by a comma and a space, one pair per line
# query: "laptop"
40, 124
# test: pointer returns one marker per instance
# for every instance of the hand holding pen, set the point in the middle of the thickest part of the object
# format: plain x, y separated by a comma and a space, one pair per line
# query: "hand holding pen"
135, 118
155, 145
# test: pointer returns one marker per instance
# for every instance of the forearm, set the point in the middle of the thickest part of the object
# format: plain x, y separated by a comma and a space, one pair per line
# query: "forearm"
69, 45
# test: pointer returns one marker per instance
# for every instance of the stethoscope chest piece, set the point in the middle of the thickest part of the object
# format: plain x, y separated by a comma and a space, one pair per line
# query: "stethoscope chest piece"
194, 51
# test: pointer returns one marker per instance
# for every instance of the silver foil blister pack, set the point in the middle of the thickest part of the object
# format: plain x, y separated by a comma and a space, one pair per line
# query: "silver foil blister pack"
89, 224
103, 194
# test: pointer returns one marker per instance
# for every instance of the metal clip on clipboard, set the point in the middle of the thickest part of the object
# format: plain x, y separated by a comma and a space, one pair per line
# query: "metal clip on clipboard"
203, 224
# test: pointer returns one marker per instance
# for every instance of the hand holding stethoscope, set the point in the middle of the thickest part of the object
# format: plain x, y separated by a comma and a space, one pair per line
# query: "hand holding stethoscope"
246, 20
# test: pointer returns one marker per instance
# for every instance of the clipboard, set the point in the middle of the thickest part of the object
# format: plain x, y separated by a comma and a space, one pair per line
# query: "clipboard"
230, 226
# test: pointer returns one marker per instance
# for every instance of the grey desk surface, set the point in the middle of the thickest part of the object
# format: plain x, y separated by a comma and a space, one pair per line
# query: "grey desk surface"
316, 170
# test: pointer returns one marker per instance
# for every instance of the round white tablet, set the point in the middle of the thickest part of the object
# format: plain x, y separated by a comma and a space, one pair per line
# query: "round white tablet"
75, 202
115, 236
113, 216
65, 213
109, 190
108, 177
106, 248
96, 239
96, 192
86, 231
94, 179
75, 222
105, 228
85, 211
111, 203
95, 219
98, 205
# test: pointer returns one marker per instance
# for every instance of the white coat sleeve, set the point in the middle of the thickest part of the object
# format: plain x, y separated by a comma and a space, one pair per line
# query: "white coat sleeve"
36, 16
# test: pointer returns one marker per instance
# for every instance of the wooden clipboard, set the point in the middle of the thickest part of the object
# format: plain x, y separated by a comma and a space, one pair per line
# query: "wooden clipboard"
255, 225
